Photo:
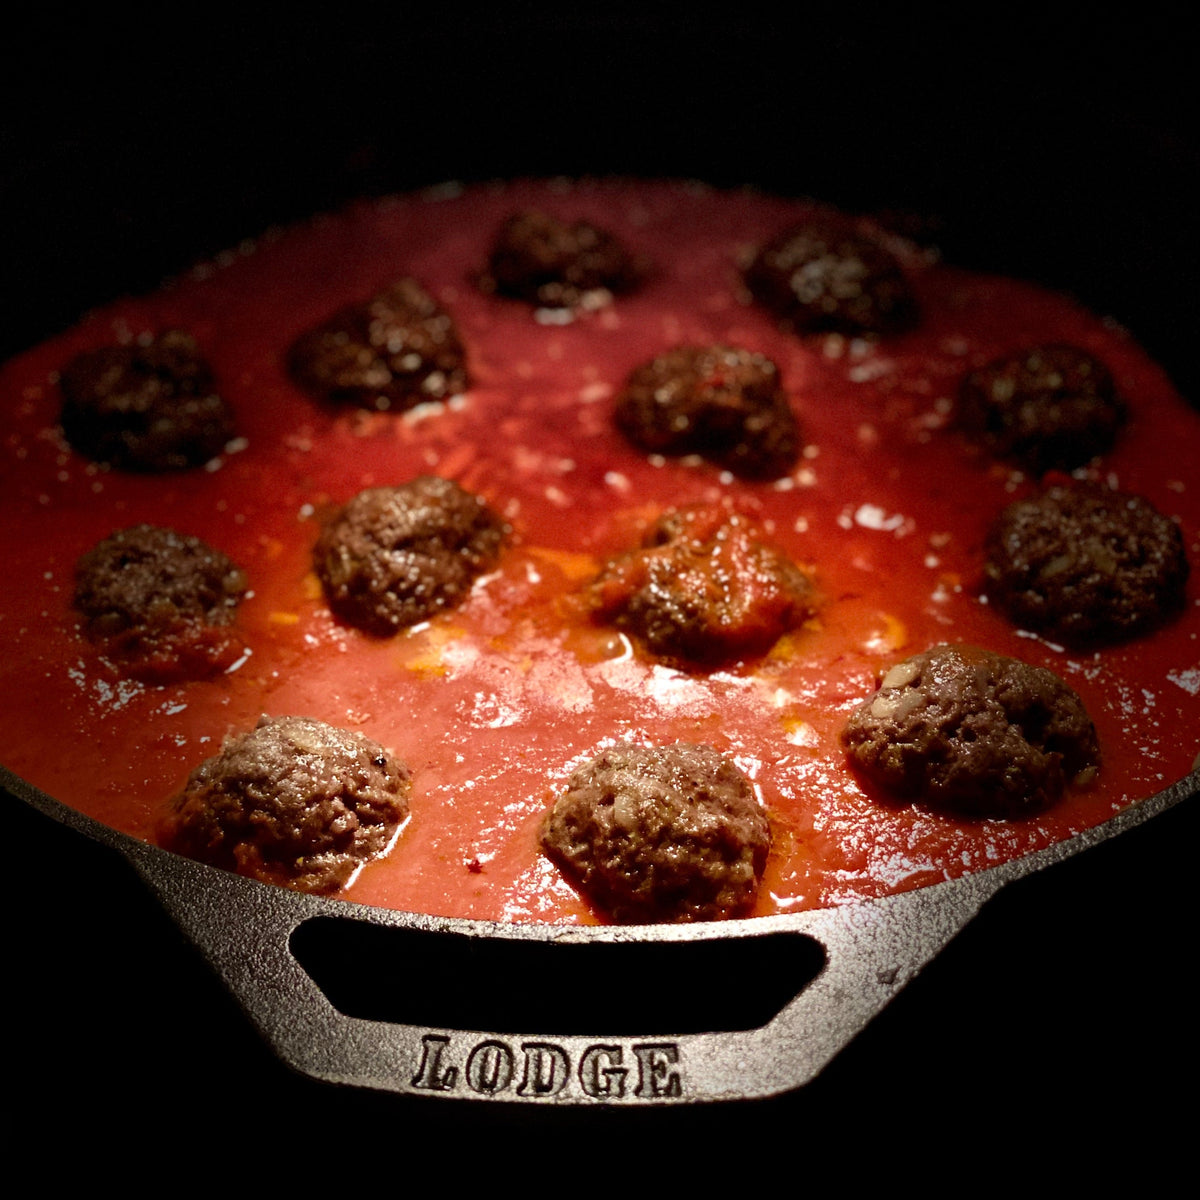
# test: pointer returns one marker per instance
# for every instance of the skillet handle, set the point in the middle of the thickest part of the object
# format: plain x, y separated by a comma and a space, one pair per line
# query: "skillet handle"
250, 934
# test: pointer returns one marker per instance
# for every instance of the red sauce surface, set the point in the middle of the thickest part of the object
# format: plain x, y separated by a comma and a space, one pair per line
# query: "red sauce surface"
494, 704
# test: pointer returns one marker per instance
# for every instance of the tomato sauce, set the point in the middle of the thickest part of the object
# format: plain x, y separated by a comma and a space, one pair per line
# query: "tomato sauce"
495, 703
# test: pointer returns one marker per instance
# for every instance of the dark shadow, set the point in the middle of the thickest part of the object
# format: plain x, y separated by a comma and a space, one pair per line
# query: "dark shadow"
455, 981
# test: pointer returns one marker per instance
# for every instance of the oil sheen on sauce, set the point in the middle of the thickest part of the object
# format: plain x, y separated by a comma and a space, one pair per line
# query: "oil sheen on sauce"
494, 704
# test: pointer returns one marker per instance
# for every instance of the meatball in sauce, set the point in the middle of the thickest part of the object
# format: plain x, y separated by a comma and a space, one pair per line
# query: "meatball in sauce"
721, 402
660, 833
160, 604
826, 276
558, 264
973, 732
295, 802
396, 556
703, 589
1086, 565
149, 406
395, 351
1048, 407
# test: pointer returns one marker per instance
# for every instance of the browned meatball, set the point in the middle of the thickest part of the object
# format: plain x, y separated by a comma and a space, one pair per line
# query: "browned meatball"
660, 833
160, 603
397, 350
825, 276
1046, 407
702, 589
145, 407
721, 402
554, 264
294, 802
398, 555
1086, 564
973, 732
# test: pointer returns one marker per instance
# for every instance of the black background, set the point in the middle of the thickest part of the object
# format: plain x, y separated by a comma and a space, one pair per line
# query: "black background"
1039, 146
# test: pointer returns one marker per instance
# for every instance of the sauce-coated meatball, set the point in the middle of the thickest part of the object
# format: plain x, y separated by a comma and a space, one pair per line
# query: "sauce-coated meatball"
556, 264
973, 732
148, 406
160, 603
1047, 407
1085, 564
397, 350
294, 802
721, 402
660, 833
703, 589
825, 276
395, 556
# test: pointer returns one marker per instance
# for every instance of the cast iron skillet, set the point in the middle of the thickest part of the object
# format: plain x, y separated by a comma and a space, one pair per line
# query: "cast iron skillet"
1043, 151
638, 1016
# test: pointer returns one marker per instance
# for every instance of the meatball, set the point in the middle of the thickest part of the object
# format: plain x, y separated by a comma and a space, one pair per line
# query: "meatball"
973, 732
160, 603
395, 351
398, 555
294, 802
720, 402
825, 276
1047, 407
660, 833
146, 406
1085, 564
702, 589
553, 264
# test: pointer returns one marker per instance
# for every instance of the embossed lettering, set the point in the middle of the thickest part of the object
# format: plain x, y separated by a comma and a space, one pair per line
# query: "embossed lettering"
605, 1069
597, 1077
431, 1074
490, 1068
546, 1069
655, 1078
